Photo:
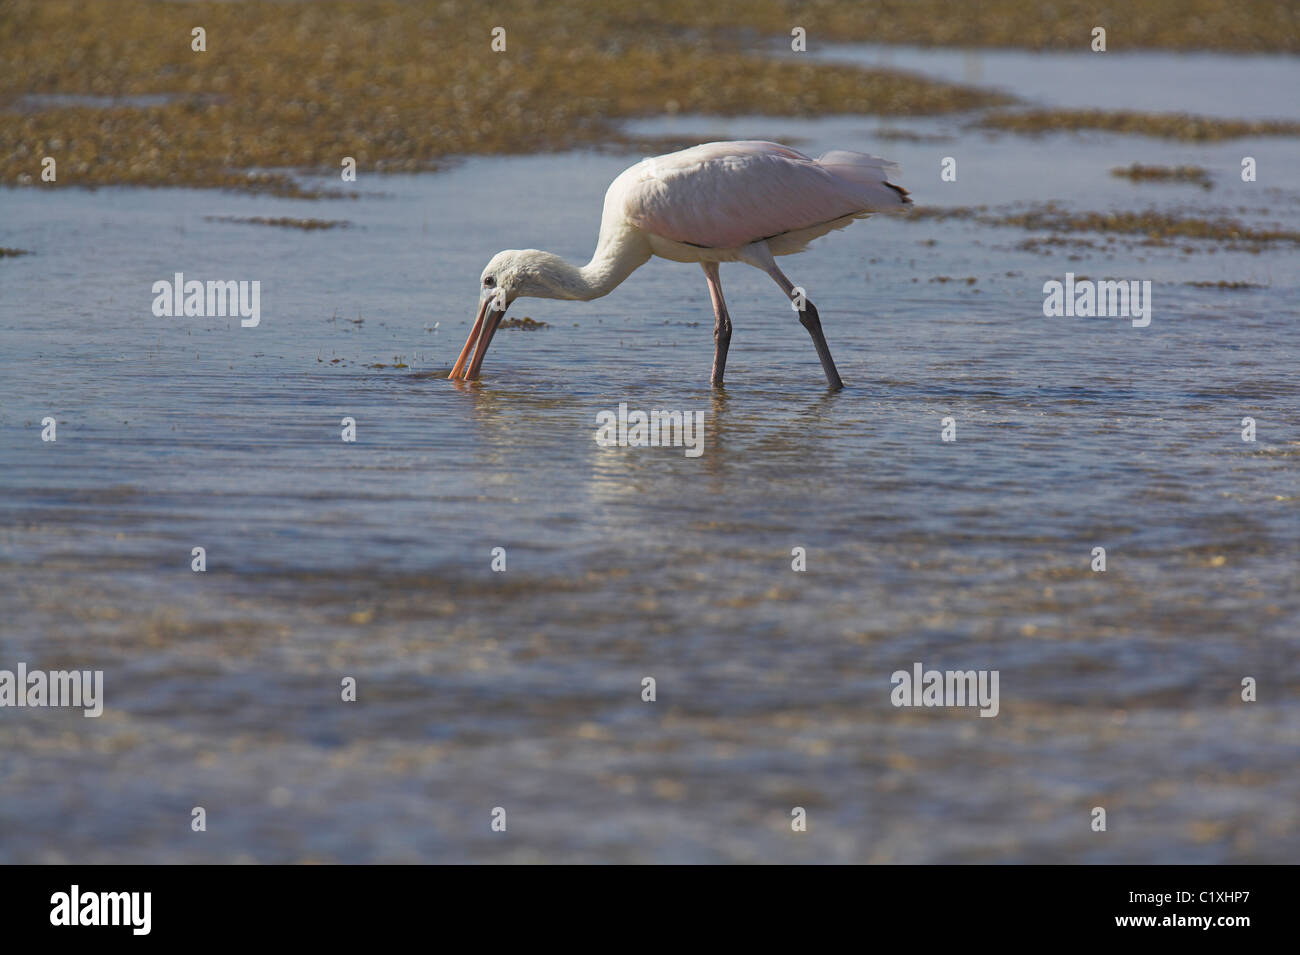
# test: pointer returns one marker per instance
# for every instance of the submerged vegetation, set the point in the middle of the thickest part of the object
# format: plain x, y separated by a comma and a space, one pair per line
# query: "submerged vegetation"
887, 134
401, 86
525, 324
396, 86
283, 222
1140, 173
1180, 126
1257, 26
1153, 227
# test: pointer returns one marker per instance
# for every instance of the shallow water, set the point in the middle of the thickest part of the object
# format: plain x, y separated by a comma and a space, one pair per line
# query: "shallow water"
523, 689
1205, 84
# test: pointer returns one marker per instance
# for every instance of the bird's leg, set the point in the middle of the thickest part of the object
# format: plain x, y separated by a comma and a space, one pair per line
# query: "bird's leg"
721, 323
810, 320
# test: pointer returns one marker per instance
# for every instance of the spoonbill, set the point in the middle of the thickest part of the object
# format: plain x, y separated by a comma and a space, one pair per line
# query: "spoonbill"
718, 202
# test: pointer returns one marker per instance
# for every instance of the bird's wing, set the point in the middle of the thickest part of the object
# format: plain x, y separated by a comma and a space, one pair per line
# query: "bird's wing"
726, 195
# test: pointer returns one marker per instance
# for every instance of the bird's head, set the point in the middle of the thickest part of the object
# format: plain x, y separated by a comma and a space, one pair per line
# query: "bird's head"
529, 272
509, 275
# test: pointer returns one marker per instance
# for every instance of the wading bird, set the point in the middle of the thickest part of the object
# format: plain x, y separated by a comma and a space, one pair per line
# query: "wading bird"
719, 202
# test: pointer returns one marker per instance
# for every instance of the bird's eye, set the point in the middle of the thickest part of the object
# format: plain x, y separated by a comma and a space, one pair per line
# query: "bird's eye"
489, 282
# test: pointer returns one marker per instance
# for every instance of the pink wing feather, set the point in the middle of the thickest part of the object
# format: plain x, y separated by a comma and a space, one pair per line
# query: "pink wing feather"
726, 195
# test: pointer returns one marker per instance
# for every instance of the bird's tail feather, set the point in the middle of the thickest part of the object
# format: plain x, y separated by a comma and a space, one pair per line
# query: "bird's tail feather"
866, 179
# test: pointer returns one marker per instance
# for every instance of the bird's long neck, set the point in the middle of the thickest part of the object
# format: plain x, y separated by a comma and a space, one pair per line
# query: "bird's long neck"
618, 254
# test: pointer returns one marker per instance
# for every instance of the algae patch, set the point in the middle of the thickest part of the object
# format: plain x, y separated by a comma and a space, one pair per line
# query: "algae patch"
283, 222
1180, 126
397, 87
1189, 174
1154, 227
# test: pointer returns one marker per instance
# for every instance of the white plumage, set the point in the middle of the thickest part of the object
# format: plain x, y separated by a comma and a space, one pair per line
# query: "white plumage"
718, 202
725, 196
